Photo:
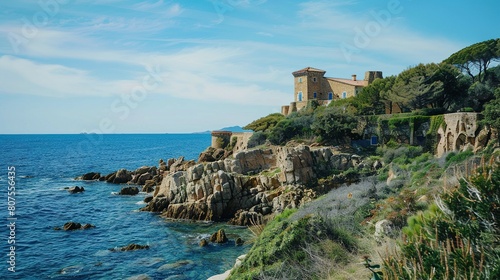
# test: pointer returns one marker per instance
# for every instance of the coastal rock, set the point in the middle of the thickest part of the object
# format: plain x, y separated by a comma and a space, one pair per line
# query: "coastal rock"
239, 241
143, 174
122, 176
206, 156
246, 186
179, 165
203, 242
72, 226
76, 189
75, 226
143, 178
129, 191
247, 218
131, 247
219, 237
226, 274
149, 186
88, 226
89, 176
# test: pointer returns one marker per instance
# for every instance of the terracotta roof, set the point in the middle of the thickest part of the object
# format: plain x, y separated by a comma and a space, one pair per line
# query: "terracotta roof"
358, 83
307, 69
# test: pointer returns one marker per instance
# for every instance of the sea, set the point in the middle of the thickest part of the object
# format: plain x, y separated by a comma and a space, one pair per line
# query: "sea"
35, 172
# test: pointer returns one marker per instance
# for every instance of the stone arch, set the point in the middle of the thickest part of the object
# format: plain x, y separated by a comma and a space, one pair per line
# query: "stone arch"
461, 141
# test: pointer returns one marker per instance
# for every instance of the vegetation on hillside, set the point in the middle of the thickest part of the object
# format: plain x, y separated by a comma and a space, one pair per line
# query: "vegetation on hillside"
443, 215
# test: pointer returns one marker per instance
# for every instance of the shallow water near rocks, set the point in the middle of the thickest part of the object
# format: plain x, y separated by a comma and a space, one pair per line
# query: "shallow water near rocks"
47, 164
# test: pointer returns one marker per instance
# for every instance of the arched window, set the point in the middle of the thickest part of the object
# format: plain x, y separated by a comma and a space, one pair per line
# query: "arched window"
299, 96
315, 95
344, 94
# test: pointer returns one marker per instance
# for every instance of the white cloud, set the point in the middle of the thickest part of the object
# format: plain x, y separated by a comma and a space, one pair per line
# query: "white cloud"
22, 76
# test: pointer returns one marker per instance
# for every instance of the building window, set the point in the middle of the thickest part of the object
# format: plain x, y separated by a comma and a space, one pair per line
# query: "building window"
330, 96
344, 94
299, 96
300, 80
315, 95
315, 79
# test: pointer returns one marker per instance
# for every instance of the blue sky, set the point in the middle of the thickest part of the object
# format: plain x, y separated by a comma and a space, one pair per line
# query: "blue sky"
70, 66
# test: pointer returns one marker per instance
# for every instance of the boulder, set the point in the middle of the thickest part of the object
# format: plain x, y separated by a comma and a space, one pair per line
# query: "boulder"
144, 178
75, 226
88, 226
383, 228
219, 237
110, 177
72, 226
203, 242
76, 189
149, 186
219, 154
129, 191
122, 176
239, 241
206, 156
90, 176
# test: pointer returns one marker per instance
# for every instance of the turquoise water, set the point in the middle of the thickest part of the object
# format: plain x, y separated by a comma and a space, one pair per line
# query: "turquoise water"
46, 164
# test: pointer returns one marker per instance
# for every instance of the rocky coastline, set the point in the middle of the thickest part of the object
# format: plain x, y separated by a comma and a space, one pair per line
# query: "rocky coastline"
243, 188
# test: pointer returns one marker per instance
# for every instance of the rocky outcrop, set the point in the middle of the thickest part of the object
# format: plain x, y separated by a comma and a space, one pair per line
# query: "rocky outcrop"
89, 176
219, 237
247, 186
129, 191
121, 176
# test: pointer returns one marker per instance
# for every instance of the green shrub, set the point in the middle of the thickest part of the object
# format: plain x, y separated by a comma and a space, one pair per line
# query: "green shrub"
291, 127
291, 247
454, 158
257, 139
266, 123
457, 238
334, 125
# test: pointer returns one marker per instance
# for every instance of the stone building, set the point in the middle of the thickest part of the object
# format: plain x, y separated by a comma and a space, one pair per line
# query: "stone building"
311, 84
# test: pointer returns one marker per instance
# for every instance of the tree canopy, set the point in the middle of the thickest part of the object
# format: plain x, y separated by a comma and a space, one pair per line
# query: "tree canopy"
427, 85
475, 59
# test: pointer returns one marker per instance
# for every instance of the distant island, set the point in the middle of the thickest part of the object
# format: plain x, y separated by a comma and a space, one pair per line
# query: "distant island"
235, 128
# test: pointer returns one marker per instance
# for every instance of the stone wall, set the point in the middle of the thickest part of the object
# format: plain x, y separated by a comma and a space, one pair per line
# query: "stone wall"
461, 131
238, 140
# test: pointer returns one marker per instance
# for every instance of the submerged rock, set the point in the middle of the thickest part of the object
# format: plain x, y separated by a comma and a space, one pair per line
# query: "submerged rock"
139, 277
131, 247
76, 189
175, 265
